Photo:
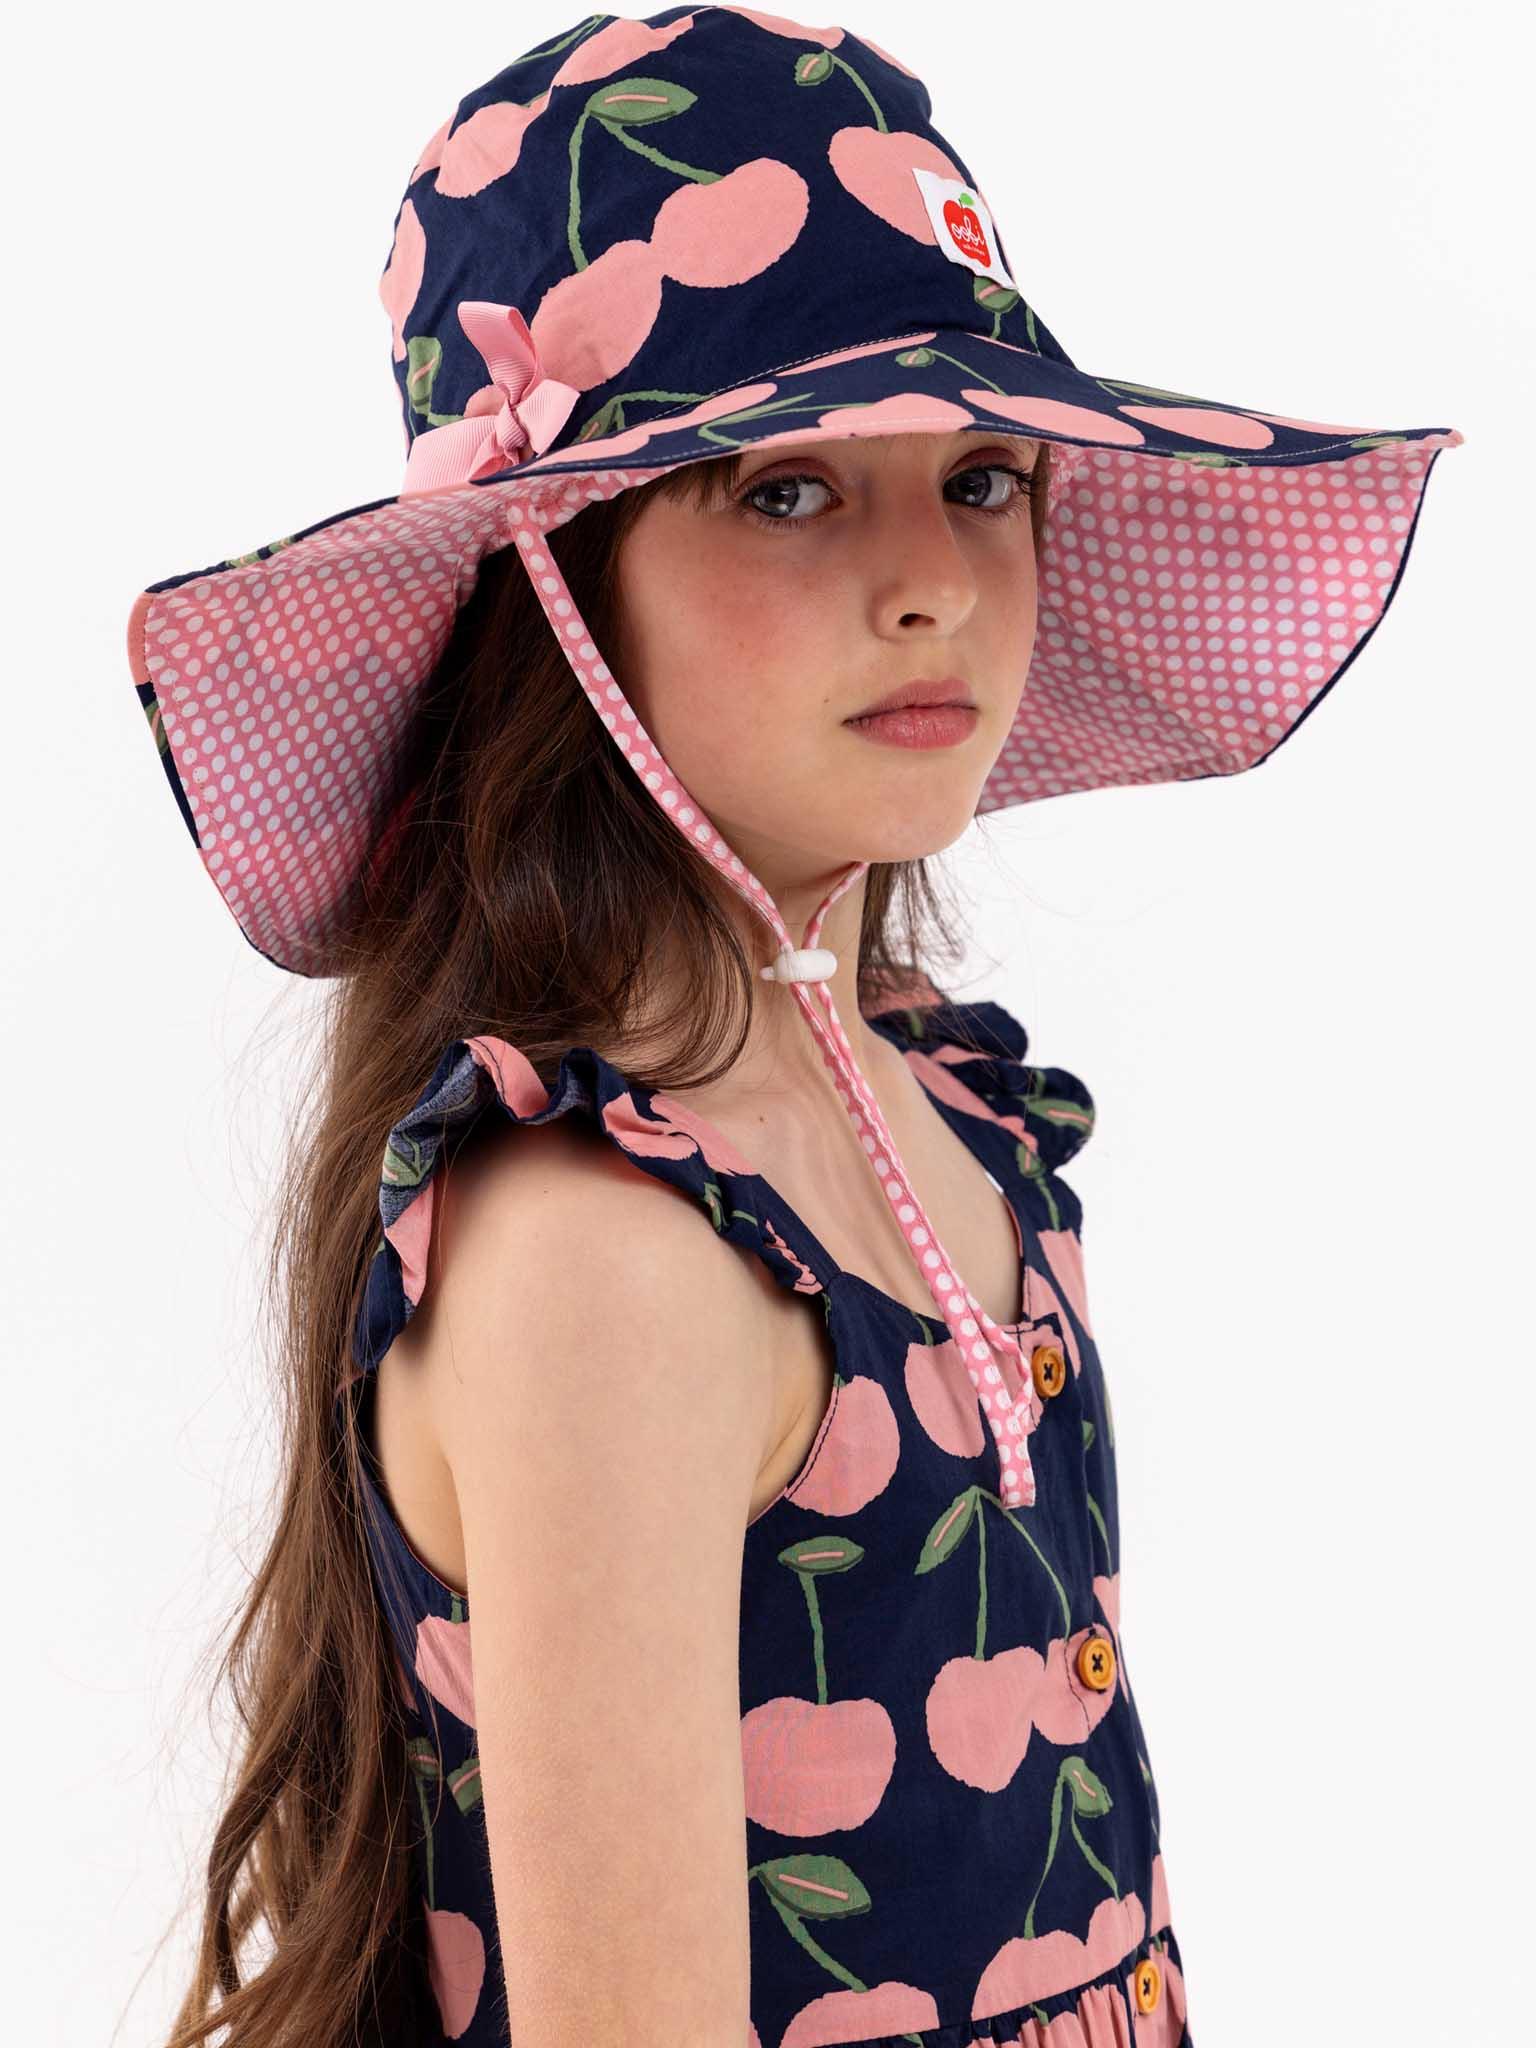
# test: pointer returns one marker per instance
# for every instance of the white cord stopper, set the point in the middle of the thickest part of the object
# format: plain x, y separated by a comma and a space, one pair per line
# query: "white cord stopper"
801, 963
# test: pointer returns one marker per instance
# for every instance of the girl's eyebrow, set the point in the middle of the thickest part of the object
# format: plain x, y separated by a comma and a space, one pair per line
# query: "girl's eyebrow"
1017, 450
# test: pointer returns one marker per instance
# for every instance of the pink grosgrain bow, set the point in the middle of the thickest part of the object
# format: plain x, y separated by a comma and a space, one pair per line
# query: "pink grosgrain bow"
517, 415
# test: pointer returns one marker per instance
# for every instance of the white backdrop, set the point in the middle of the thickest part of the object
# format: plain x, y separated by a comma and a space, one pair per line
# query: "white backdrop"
1298, 996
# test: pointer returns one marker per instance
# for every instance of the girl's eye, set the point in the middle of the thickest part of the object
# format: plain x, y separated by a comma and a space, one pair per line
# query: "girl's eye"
1015, 501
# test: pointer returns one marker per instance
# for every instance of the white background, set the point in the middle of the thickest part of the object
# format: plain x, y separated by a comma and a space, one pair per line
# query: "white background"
1298, 995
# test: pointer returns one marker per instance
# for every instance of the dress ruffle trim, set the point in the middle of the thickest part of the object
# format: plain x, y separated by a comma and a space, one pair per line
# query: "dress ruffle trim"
481, 1075
971, 1056
1099, 2012
983, 1048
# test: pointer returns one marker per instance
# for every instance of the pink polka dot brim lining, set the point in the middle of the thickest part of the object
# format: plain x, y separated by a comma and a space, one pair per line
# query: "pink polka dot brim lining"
1208, 573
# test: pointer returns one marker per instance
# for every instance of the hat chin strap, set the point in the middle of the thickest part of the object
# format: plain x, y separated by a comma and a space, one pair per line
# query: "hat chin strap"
801, 963
993, 1356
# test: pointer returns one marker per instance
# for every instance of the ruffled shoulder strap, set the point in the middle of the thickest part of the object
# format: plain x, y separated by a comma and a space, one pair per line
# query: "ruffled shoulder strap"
974, 1057
481, 1077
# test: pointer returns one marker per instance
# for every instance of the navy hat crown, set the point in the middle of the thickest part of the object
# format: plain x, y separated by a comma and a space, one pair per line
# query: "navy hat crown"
678, 204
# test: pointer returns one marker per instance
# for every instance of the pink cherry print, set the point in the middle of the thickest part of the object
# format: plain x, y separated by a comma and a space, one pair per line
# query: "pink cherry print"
1062, 1251
857, 1453
903, 412
485, 146
737, 400
877, 169
1056, 416
516, 1077
1204, 423
886, 2010
809, 1766
590, 324
1028, 1967
807, 1283
455, 1966
937, 1071
981, 1712
444, 1664
432, 153
403, 273
724, 233
1045, 1303
411, 1236
621, 43
797, 31
671, 1131
943, 1399
1160, 1914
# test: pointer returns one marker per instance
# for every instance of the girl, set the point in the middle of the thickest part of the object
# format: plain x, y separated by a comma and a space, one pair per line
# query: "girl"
697, 1621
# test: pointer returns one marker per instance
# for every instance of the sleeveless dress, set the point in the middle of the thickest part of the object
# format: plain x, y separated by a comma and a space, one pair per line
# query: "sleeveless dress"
952, 1826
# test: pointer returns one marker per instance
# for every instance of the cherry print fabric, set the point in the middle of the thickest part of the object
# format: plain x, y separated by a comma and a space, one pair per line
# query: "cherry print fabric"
952, 1838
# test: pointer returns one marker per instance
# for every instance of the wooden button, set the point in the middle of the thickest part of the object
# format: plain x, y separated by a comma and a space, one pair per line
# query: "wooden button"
1149, 1985
1049, 1369
1096, 1662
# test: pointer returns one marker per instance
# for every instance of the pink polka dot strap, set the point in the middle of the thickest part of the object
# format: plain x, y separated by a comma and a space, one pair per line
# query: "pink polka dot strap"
992, 1355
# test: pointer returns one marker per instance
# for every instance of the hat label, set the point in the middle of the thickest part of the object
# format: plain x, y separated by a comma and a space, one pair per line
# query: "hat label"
962, 226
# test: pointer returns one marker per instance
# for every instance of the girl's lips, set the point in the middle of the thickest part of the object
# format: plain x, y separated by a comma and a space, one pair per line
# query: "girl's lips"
920, 725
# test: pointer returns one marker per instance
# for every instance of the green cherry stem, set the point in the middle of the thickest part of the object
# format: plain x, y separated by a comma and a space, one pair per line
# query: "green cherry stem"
573, 204
1098, 1516
829, 1963
943, 358
1050, 1851
426, 1829
797, 1928
708, 432
1061, 1595
668, 163
549, 49
1089, 1857
880, 121
981, 1588
818, 1639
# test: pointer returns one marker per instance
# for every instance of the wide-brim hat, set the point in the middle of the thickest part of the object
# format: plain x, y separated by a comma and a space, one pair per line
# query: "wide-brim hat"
648, 243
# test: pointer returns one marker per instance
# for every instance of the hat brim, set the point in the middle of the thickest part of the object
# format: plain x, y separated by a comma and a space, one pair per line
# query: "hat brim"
1208, 572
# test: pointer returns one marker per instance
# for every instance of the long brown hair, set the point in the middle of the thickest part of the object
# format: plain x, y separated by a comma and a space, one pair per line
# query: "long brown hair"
530, 874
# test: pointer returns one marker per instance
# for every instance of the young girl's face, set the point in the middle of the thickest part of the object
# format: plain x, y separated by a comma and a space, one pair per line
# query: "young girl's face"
755, 627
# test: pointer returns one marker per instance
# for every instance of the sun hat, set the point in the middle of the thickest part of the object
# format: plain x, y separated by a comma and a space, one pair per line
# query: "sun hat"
651, 242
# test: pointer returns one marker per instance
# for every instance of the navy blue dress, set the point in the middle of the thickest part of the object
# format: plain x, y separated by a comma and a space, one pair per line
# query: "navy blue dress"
952, 1827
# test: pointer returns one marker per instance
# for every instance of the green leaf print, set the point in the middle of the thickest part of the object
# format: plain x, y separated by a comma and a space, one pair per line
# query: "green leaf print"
947, 1533
636, 101
1089, 1793
824, 1552
404, 1168
815, 1887
423, 359
423, 1759
464, 1784
1090, 1801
